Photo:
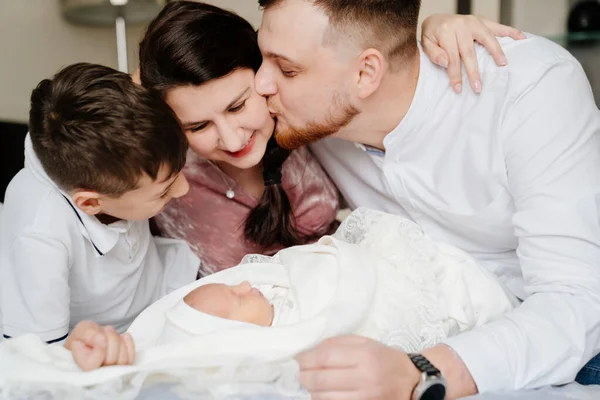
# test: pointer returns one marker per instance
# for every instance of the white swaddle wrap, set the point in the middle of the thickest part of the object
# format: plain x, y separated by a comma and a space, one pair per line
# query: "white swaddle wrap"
391, 283
431, 292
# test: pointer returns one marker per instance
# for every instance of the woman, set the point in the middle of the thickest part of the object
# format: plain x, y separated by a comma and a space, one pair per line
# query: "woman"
246, 195
202, 60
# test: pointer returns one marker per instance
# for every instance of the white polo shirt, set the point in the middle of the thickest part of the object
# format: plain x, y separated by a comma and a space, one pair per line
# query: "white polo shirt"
59, 266
511, 176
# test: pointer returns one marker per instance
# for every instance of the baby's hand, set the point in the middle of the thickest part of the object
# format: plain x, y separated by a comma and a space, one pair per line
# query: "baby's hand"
94, 346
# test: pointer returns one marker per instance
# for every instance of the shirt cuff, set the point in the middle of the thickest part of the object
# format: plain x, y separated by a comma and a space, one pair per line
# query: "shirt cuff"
53, 336
483, 359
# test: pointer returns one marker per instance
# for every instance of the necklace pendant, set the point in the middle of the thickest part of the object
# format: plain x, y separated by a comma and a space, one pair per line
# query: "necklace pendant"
230, 194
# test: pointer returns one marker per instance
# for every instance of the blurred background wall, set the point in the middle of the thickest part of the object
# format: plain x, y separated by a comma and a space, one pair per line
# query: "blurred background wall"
36, 41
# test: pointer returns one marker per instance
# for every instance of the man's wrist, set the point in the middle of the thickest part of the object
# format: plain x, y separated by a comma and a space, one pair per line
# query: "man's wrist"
431, 385
415, 375
459, 382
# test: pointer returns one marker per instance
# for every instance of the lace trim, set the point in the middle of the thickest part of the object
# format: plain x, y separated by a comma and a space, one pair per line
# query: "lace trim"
411, 321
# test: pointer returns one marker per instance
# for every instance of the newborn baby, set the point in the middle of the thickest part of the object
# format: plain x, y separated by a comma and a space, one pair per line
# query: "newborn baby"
264, 306
239, 303
209, 308
216, 307
379, 277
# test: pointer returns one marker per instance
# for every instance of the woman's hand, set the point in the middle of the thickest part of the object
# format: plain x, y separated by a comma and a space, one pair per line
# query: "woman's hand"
446, 38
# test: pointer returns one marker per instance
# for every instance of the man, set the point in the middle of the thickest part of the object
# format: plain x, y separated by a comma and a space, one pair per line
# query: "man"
511, 175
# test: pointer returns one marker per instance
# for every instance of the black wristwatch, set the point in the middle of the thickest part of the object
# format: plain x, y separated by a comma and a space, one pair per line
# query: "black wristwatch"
432, 385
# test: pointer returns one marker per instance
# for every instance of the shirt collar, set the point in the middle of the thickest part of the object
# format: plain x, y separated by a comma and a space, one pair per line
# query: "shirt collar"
102, 237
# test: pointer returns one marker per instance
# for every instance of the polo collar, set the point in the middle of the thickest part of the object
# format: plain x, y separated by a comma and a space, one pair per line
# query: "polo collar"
102, 237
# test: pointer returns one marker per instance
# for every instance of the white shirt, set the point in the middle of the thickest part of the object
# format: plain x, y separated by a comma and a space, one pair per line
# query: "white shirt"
59, 266
511, 176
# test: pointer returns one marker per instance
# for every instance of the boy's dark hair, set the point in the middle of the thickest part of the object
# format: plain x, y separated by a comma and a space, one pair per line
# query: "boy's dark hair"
192, 43
387, 25
93, 128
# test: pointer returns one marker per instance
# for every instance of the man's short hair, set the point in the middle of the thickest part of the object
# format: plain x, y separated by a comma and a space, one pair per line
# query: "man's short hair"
389, 26
93, 128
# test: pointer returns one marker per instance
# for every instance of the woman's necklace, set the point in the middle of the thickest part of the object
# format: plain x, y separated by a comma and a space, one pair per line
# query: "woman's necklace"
230, 193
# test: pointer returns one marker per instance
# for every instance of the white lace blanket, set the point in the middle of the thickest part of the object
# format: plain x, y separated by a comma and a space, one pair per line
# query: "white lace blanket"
331, 285
380, 277
432, 290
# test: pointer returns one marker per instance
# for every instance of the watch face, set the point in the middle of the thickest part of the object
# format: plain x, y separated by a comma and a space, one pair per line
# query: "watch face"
437, 391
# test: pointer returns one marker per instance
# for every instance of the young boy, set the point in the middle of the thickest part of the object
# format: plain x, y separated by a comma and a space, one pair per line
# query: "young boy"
102, 157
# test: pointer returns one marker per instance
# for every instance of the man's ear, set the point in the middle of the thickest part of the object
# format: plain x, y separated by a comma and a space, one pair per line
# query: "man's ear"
372, 66
87, 201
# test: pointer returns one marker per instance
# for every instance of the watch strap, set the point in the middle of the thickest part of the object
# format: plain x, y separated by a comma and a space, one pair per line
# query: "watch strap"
423, 364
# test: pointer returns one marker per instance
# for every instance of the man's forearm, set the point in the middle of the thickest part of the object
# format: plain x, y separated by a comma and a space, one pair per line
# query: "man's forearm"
459, 382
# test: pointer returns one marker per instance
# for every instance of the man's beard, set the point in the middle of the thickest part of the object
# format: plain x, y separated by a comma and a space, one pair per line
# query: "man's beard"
291, 138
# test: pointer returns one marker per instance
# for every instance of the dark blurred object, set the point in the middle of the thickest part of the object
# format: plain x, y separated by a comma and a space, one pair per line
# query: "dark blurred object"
12, 156
464, 7
585, 17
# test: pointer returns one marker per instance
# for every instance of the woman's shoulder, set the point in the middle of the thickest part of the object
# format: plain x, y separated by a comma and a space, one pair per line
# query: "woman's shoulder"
313, 196
302, 165
302, 171
196, 166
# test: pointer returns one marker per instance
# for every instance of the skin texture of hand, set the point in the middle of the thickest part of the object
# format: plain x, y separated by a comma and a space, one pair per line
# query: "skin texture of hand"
446, 38
357, 368
94, 346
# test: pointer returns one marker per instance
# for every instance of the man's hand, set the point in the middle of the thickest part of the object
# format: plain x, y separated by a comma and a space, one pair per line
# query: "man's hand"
94, 346
354, 367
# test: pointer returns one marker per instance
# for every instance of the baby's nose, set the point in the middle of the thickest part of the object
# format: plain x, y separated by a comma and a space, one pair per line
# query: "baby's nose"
244, 287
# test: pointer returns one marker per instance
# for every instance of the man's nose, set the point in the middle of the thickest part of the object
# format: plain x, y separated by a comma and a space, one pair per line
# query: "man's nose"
264, 81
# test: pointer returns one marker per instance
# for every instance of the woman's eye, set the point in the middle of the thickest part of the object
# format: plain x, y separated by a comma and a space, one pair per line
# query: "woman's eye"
198, 128
289, 74
238, 107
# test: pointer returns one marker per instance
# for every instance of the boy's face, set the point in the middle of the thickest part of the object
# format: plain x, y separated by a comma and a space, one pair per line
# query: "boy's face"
144, 202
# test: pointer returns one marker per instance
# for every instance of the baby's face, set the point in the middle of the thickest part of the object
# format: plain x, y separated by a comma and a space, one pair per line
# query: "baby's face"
240, 302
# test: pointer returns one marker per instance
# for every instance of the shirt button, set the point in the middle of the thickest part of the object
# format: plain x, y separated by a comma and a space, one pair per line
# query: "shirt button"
360, 146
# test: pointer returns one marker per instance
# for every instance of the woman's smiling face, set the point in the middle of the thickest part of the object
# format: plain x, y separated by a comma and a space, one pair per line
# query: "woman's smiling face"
224, 119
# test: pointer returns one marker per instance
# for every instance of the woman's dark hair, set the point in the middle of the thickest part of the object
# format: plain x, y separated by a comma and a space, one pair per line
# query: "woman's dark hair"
191, 43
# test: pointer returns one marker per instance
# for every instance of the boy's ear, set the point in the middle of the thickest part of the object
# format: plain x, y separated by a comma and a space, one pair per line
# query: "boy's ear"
87, 201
